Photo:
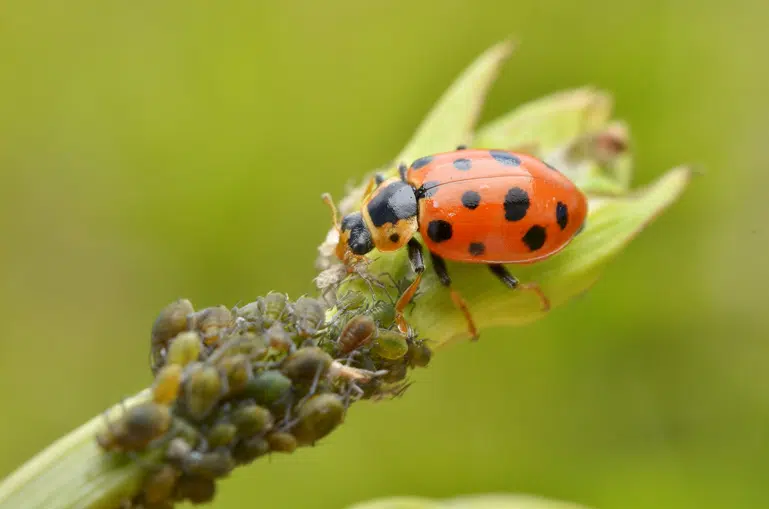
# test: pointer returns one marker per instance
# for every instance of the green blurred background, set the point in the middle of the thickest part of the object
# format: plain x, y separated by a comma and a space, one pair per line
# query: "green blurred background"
152, 150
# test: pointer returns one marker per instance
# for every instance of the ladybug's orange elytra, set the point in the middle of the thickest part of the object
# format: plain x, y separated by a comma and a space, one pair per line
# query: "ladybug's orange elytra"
490, 207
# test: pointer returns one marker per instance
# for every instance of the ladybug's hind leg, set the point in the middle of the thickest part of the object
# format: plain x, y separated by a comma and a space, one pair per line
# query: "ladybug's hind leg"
512, 282
443, 275
417, 261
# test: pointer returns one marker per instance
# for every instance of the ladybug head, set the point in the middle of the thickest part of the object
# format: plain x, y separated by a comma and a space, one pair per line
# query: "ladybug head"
354, 236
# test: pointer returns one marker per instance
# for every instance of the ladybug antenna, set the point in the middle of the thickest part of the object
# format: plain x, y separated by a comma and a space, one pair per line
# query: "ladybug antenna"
334, 215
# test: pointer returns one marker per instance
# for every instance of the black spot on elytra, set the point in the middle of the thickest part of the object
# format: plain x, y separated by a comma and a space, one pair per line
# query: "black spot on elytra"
471, 199
562, 215
477, 248
395, 237
421, 162
516, 204
439, 230
463, 164
505, 158
535, 237
428, 189
392, 203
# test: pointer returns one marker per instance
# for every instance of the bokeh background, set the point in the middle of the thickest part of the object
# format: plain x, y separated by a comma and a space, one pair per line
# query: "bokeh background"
152, 150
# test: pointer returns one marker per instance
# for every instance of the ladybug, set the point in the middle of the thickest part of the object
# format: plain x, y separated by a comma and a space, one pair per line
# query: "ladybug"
491, 207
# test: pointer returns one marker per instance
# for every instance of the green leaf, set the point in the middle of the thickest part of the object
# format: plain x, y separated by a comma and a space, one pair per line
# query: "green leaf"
469, 502
453, 118
547, 124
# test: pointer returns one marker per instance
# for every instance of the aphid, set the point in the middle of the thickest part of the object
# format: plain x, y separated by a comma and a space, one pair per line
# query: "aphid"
356, 333
275, 308
269, 388
184, 348
167, 383
252, 314
238, 371
419, 354
221, 434
310, 316
171, 321
390, 345
159, 485
317, 417
213, 323
251, 419
279, 339
307, 365
196, 489
136, 428
248, 449
281, 441
203, 386
491, 207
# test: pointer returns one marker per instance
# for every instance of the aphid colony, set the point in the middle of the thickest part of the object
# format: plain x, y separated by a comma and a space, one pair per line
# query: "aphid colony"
233, 385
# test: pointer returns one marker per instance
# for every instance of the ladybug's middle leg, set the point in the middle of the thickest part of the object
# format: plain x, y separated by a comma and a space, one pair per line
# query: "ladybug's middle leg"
512, 282
416, 259
443, 275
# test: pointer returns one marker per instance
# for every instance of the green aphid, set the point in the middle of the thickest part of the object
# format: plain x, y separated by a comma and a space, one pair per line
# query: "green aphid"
419, 354
248, 449
252, 314
203, 388
251, 419
221, 434
390, 345
383, 312
269, 388
317, 417
281, 441
310, 316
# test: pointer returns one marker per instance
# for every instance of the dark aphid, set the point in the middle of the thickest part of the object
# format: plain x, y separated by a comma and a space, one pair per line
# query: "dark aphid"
195, 489
279, 339
203, 387
171, 321
184, 348
281, 441
221, 434
210, 465
251, 419
136, 428
356, 333
269, 388
396, 372
248, 449
238, 371
167, 383
307, 365
419, 354
212, 323
159, 486
310, 315
275, 308
317, 417
390, 345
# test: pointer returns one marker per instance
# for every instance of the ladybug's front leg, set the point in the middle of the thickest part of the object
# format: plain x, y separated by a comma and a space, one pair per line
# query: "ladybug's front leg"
443, 275
512, 282
416, 259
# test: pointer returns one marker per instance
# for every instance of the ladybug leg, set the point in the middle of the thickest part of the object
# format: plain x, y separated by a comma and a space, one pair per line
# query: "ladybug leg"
377, 179
402, 169
511, 282
418, 265
334, 215
443, 275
